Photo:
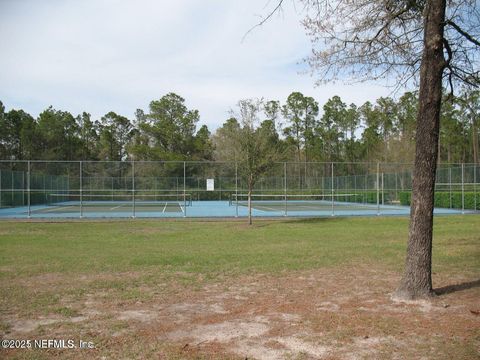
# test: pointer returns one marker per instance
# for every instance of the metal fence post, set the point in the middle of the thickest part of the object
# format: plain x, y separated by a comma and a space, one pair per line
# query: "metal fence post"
236, 189
28, 189
378, 188
463, 189
45, 189
450, 186
383, 188
355, 188
68, 186
133, 189
475, 187
333, 191
285, 188
365, 186
184, 189
81, 191
396, 188
23, 188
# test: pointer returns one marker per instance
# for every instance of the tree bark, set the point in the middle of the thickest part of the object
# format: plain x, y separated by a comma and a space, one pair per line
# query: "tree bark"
417, 279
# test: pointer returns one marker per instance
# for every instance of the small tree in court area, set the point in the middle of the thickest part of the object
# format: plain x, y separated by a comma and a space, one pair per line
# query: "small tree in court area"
257, 146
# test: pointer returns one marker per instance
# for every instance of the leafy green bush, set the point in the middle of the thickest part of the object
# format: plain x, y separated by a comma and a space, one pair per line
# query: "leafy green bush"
405, 198
449, 200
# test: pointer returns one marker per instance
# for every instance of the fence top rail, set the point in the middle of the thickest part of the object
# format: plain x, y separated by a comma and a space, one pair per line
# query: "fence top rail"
121, 161
224, 162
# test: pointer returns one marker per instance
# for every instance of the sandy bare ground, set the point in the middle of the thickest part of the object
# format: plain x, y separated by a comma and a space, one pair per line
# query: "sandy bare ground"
342, 313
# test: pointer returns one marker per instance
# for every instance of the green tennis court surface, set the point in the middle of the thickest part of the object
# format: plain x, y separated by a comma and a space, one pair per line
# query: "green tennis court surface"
305, 202
314, 206
111, 208
111, 204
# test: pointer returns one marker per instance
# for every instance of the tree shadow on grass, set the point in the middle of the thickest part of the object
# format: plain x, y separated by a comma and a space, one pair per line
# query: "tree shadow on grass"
259, 222
314, 220
457, 287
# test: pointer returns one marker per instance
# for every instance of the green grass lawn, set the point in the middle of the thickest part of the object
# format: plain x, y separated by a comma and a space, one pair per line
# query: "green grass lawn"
209, 248
192, 252
52, 269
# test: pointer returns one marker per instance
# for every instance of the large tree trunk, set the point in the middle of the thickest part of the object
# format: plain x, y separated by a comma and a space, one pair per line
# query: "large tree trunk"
417, 279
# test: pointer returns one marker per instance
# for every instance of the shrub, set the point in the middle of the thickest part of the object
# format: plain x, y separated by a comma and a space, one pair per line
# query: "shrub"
449, 200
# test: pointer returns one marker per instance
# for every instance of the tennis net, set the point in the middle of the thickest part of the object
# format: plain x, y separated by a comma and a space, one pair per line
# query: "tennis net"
303, 201
139, 200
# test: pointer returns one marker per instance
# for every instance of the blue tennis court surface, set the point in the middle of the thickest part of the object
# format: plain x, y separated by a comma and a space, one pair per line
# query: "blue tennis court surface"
213, 209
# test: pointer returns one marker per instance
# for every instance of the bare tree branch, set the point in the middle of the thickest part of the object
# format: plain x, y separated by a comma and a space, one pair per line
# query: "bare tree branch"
447, 65
462, 32
264, 20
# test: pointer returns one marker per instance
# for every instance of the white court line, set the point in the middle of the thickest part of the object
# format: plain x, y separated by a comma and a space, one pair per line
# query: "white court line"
59, 208
262, 208
311, 207
165, 207
116, 207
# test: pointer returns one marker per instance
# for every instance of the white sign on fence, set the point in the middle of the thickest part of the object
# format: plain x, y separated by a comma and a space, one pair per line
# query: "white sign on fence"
210, 184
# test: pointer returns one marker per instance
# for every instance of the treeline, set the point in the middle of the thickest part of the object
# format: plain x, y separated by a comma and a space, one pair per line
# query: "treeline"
337, 131
167, 132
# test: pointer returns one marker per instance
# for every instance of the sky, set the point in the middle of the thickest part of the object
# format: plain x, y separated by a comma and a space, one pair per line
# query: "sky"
119, 55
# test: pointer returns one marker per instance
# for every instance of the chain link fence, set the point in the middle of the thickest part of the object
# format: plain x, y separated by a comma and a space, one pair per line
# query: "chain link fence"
183, 188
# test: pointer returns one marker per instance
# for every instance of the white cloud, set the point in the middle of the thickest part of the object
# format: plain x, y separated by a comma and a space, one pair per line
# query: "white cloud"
117, 55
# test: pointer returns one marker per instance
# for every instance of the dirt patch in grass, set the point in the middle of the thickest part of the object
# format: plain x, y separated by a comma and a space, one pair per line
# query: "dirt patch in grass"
27, 326
342, 313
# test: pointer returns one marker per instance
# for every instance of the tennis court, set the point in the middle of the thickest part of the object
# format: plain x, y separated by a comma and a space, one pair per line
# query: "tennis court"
125, 204
318, 206
123, 189
296, 202
208, 209
107, 207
